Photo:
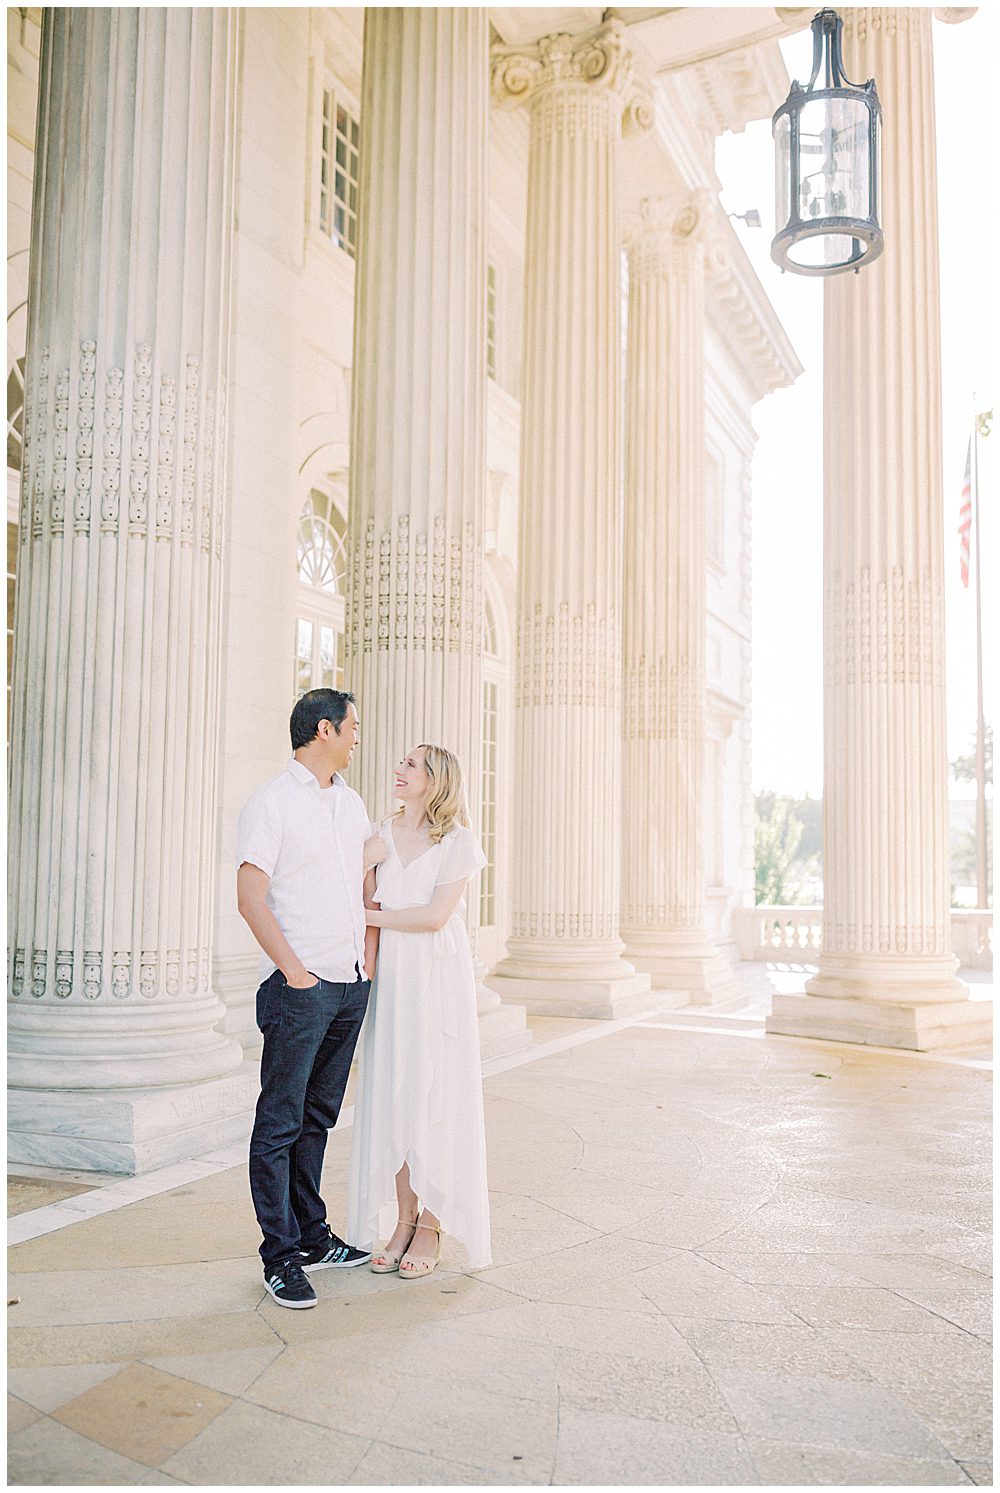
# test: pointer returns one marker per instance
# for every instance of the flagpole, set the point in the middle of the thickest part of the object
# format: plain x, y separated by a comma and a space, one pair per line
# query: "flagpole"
981, 859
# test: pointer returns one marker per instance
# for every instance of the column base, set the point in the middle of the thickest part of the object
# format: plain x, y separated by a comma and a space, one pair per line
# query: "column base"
235, 981
687, 962
919, 1027
130, 1131
603, 1000
912, 980
117, 1047
503, 1029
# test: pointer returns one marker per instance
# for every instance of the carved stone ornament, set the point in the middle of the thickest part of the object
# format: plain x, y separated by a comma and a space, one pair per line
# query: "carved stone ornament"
599, 58
679, 217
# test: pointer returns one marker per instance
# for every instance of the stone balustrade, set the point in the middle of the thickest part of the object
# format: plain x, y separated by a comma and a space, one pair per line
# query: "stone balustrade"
794, 934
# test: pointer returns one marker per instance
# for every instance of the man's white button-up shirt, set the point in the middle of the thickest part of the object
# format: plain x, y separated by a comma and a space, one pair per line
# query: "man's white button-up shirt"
310, 841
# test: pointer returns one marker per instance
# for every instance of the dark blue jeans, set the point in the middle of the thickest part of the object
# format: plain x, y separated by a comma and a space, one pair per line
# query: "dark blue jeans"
309, 1041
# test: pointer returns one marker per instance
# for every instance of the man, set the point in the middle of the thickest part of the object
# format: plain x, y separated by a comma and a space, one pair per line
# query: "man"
300, 857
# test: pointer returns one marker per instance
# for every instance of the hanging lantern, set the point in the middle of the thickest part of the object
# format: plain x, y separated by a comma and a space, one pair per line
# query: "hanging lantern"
827, 166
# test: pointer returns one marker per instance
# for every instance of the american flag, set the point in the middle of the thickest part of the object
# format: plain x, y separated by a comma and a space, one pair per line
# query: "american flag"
965, 517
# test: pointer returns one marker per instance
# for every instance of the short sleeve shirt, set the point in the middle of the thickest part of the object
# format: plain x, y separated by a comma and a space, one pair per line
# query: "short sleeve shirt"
310, 842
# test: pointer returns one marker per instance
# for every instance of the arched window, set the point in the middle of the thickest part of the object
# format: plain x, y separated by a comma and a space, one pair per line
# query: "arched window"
319, 625
322, 544
15, 415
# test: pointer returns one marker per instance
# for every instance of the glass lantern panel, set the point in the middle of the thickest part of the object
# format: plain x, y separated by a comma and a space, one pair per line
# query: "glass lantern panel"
782, 182
825, 249
833, 159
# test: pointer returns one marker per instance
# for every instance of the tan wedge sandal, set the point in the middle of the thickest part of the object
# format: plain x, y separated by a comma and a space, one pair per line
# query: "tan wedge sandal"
384, 1263
416, 1269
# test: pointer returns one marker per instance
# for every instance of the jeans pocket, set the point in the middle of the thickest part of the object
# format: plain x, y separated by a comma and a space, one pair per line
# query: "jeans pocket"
268, 1005
290, 992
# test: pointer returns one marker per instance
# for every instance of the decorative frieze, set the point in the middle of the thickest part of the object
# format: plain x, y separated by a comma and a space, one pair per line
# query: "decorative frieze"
907, 617
190, 458
165, 456
85, 438
111, 447
439, 564
36, 413
60, 446
139, 451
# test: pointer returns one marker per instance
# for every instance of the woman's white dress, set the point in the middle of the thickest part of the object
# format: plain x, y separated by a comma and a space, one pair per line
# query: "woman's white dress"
420, 1092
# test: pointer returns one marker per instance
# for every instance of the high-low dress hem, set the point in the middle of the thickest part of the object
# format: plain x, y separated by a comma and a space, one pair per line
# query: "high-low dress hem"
420, 1094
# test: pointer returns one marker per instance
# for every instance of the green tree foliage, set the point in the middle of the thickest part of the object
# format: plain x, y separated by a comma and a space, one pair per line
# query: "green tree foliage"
963, 848
777, 835
964, 768
963, 857
810, 811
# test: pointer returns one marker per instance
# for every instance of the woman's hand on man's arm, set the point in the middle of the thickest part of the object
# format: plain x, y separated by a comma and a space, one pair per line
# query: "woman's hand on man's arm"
426, 919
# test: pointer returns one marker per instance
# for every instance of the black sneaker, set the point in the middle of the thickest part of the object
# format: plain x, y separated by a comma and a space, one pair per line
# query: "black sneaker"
333, 1255
288, 1285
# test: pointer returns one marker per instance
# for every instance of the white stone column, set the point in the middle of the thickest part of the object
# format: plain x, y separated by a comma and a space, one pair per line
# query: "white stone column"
418, 466
886, 970
663, 812
115, 1062
565, 955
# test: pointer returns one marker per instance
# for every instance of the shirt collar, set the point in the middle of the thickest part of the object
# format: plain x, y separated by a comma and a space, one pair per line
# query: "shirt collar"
301, 773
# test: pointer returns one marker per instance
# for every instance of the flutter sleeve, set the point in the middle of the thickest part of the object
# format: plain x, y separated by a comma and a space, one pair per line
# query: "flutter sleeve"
462, 858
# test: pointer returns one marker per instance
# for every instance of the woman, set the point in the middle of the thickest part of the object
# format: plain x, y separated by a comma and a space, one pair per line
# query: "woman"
418, 1119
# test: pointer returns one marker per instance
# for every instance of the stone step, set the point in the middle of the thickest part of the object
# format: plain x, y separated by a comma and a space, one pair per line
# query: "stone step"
502, 1031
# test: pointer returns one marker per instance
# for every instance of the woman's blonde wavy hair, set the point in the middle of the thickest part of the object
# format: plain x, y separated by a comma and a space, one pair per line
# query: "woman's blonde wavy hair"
446, 804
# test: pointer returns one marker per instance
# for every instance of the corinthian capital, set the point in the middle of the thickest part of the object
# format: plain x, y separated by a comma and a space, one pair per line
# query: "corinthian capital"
674, 218
598, 58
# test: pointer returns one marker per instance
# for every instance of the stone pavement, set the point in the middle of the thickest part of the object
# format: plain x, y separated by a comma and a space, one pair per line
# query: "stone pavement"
720, 1258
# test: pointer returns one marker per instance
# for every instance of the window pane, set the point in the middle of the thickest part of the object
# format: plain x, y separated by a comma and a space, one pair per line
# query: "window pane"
322, 545
491, 322
303, 655
328, 655
339, 205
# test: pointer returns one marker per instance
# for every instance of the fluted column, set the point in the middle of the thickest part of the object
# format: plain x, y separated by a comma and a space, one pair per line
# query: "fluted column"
115, 699
663, 881
886, 971
565, 954
418, 468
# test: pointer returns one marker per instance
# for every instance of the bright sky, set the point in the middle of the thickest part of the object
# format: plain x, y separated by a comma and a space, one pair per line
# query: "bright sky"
787, 474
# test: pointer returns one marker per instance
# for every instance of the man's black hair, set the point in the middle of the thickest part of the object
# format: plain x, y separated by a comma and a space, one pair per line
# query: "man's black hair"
317, 705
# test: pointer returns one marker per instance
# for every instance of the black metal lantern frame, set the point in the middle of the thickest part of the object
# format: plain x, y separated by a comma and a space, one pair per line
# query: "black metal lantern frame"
827, 185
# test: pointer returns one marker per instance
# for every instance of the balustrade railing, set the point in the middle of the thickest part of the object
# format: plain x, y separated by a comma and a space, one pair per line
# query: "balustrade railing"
794, 935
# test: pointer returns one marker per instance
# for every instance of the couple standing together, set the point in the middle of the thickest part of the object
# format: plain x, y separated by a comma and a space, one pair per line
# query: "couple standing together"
328, 896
